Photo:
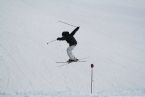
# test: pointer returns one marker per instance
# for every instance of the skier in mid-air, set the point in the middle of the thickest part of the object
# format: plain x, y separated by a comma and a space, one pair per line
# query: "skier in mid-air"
69, 37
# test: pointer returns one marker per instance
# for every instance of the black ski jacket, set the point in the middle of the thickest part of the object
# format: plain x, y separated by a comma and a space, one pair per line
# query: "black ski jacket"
70, 37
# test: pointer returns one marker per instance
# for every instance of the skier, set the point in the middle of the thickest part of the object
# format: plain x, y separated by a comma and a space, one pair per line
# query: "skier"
69, 37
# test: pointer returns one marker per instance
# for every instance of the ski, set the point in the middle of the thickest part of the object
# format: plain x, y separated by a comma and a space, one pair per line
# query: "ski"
79, 60
71, 62
66, 63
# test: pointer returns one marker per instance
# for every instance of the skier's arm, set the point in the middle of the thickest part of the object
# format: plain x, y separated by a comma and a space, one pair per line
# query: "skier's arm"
74, 31
60, 38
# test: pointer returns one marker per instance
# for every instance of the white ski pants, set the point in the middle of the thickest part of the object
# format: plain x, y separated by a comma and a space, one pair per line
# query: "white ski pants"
69, 52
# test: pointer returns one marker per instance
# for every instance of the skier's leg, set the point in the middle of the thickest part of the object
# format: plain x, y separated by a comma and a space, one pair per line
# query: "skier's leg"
69, 52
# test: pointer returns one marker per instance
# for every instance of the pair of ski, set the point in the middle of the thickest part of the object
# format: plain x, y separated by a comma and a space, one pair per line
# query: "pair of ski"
66, 62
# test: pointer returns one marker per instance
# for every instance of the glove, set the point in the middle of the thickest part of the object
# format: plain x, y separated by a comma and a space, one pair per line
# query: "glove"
58, 38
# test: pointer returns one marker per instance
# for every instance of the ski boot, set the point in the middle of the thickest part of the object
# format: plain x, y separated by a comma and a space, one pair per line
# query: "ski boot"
71, 60
76, 60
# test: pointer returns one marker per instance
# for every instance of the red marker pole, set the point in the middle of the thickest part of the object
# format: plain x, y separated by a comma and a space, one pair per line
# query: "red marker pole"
92, 66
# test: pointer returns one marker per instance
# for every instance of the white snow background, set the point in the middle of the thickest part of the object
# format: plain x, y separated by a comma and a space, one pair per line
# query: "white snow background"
111, 36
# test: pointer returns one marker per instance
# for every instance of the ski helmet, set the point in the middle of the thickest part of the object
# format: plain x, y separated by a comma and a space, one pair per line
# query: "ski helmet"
65, 33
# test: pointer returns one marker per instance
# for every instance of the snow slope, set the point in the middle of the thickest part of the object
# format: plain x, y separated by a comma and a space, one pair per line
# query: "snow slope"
111, 35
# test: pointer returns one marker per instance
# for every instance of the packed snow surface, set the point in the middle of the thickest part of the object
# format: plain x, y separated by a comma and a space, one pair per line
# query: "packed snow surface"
111, 36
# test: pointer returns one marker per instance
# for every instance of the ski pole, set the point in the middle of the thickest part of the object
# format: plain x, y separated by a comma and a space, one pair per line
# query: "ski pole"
67, 23
51, 41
